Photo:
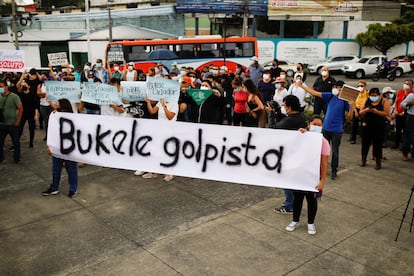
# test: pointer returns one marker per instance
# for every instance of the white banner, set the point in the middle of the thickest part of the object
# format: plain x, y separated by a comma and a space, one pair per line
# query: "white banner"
256, 156
12, 60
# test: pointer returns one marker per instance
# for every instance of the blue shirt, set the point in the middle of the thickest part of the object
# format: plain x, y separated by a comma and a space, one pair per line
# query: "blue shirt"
335, 114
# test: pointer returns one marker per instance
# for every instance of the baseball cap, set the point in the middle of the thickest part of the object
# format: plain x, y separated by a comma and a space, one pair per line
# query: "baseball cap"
387, 89
254, 58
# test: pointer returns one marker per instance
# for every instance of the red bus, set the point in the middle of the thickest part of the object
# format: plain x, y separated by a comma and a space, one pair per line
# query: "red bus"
195, 52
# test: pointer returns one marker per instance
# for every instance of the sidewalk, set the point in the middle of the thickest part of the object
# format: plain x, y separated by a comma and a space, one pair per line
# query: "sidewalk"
121, 224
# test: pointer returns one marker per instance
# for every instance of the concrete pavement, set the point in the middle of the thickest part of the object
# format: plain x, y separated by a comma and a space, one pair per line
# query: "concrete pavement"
121, 224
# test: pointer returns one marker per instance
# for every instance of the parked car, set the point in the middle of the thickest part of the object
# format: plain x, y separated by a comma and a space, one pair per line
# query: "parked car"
285, 65
333, 63
368, 65
407, 58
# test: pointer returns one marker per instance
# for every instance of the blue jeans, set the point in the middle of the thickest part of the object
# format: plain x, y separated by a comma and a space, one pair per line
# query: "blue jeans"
335, 140
408, 142
71, 169
288, 199
14, 134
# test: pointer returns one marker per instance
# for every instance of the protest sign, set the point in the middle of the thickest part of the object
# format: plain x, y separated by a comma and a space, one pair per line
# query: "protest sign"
100, 94
160, 88
12, 60
58, 59
133, 91
115, 53
348, 93
63, 89
198, 95
257, 156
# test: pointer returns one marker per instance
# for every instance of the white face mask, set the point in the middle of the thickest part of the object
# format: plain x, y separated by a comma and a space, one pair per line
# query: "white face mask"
204, 88
116, 68
314, 128
130, 68
406, 86
283, 110
324, 73
183, 73
266, 77
361, 89
335, 91
298, 81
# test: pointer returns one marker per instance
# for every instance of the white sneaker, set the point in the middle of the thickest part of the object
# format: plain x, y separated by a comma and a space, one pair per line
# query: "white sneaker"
138, 173
168, 178
311, 229
292, 226
149, 175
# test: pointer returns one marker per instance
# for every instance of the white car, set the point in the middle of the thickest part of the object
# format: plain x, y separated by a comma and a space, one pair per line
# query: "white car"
368, 65
287, 66
333, 63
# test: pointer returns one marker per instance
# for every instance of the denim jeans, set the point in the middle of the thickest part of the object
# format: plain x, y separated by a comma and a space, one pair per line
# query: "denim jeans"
288, 199
335, 140
408, 142
14, 134
71, 169
45, 111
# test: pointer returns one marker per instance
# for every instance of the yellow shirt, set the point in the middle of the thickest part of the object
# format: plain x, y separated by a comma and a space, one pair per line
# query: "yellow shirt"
362, 96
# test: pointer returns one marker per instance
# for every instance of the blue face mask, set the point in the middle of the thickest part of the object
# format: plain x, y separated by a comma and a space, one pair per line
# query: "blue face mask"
373, 98
1, 90
277, 85
391, 96
314, 128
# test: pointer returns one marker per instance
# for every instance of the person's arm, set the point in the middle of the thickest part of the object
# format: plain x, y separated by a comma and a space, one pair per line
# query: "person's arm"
117, 108
310, 90
19, 115
170, 115
39, 92
151, 109
323, 172
108, 65
407, 102
352, 110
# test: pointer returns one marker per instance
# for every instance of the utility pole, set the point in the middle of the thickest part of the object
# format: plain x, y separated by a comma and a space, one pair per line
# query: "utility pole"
88, 31
245, 17
109, 19
14, 25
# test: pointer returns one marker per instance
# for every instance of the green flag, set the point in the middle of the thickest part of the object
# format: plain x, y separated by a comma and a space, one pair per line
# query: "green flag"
199, 95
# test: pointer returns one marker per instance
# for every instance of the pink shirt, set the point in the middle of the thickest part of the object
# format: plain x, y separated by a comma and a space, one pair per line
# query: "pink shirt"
326, 148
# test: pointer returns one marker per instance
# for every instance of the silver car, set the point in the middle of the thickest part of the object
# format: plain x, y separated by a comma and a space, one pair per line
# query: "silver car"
333, 63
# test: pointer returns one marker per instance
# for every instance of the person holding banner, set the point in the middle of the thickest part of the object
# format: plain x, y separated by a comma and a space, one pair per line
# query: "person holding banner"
63, 105
116, 109
315, 125
166, 111
12, 112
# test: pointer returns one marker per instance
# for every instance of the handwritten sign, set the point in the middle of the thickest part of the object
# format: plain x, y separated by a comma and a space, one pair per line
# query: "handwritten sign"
256, 156
58, 59
198, 95
63, 89
101, 94
115, 53
133, 91
12, 60
348, 93
160, 88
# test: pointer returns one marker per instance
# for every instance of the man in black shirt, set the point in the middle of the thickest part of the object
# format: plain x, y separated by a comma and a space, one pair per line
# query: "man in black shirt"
323, 83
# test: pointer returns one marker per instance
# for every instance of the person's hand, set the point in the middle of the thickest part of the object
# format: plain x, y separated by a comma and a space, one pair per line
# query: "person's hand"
147, 100
303, 130
162, 102
49, 152
319, 187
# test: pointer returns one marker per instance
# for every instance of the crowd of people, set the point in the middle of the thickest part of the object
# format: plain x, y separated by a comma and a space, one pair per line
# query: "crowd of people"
247, 97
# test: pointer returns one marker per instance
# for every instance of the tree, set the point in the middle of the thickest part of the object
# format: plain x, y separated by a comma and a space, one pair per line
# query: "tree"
384, 37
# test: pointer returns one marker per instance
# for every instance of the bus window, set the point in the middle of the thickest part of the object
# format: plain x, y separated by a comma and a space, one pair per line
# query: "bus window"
248, 49
186, 51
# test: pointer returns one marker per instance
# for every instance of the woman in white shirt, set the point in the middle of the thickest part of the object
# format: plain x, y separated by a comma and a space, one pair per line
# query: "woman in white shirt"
298, 91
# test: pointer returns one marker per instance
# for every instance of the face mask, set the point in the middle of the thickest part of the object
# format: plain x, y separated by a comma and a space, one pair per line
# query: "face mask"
406, 87
215, 72
98, 65
335, 91
183, 72
204, 88
324, 73
266, 77
1, 90
116, 68
8, 83
193, 79
298, 68
317, 129
297, 81
373, 98
130, 68
283, 76
222, 71
360, 88
277, 85
274, 64
236, 89
391, 96
86, 68
283, 110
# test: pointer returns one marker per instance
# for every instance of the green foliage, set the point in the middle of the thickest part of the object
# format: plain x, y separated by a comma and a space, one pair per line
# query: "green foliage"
293, 29
384, 37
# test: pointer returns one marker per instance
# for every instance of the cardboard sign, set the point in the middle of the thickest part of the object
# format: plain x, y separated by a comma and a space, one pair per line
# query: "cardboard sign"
58, 59
348, 93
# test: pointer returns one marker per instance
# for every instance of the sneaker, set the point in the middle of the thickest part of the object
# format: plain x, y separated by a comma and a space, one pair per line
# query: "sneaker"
168, 178
149, 175
311, 229
283, 210
50, 192
292, 226
72, 194
138, 173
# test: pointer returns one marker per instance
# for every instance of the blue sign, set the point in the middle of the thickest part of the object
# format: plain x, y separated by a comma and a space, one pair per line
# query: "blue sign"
160, 88
257, 7
134, 91
101, 94
56, 90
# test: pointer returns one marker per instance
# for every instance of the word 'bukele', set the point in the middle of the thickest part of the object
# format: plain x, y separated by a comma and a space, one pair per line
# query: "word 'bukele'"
70, 140
232, 156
